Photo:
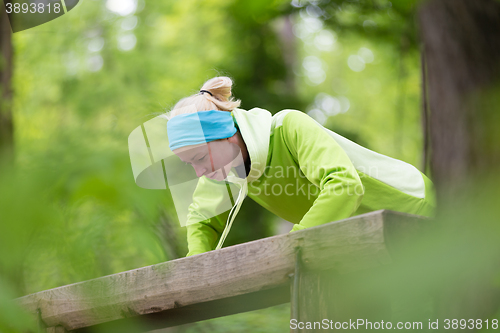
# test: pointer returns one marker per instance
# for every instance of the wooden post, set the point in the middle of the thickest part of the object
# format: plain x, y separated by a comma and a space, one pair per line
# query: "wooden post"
328, 298
295, 289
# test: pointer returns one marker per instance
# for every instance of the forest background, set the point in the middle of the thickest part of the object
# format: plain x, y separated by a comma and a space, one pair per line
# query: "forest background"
69, 208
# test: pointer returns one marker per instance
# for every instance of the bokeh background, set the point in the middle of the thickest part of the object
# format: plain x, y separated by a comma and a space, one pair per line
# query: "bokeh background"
69, 208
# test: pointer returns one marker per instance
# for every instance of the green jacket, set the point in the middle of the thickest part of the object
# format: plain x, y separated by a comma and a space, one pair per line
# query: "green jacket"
309, 175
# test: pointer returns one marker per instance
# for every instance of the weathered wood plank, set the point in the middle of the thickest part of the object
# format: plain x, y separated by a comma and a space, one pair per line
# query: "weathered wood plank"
349, 245
195, 312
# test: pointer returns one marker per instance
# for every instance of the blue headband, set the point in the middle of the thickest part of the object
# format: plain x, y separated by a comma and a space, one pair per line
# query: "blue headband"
183, 130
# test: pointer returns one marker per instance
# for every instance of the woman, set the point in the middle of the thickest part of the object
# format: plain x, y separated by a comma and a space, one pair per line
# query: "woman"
288, 163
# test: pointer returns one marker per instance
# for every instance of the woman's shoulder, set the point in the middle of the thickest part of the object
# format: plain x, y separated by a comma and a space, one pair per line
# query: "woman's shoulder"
290, 117
287, 117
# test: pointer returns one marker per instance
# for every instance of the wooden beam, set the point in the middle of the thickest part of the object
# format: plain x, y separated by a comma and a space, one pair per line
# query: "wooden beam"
195, 312
207, 285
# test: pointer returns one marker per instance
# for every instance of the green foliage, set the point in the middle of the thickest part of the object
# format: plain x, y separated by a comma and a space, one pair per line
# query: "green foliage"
273, 319
12, 318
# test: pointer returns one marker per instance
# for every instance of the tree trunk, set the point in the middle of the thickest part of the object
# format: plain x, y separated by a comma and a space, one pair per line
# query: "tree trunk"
462, 50
288, 44
6, 125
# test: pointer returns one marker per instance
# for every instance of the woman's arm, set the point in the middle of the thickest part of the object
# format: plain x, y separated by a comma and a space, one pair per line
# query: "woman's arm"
207, 216
326, 165
203, 236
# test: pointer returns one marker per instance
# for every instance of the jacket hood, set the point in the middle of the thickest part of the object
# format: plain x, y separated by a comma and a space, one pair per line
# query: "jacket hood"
255, 128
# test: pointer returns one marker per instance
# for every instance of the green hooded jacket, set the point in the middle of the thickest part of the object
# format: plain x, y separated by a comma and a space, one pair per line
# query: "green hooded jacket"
308, 175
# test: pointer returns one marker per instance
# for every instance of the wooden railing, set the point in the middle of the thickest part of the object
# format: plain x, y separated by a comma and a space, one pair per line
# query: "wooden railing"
234, 279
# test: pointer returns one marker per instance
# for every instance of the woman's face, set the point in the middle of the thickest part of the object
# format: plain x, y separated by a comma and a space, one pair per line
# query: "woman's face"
213, 159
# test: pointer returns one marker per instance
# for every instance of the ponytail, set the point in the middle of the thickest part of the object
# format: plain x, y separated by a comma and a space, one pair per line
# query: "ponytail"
218, 98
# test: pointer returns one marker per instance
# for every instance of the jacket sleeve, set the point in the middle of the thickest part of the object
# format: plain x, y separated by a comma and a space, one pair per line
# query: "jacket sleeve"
203, 236
207, 216
326, 165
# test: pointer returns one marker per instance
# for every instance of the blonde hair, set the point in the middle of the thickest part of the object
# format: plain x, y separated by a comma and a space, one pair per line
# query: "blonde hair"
219, 87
